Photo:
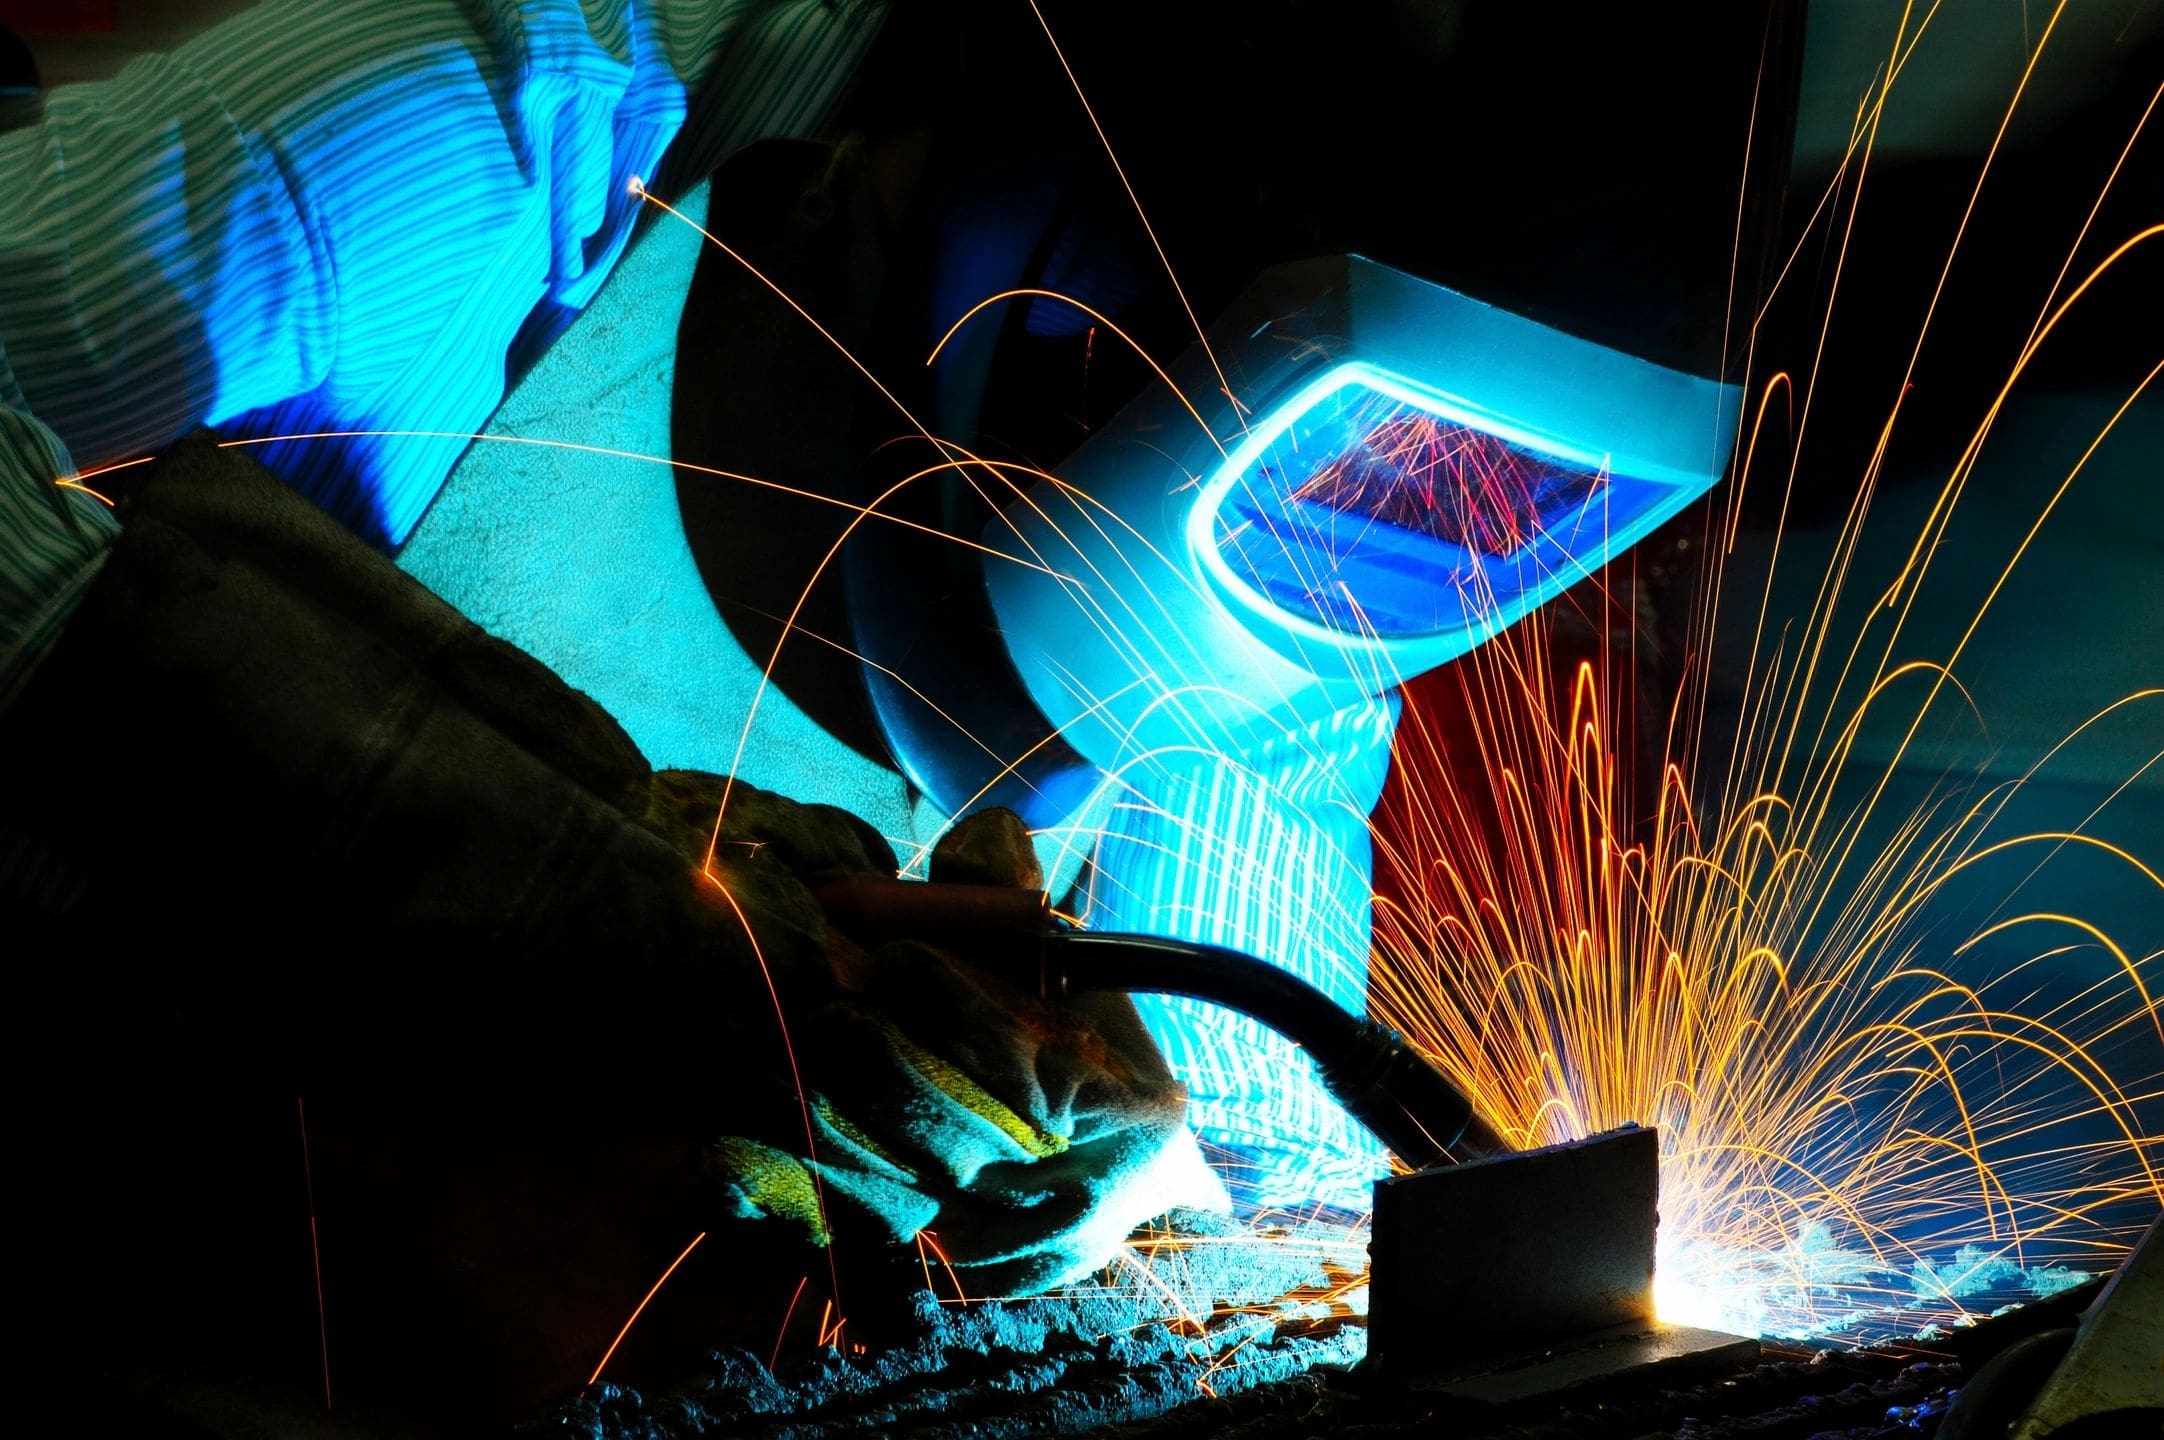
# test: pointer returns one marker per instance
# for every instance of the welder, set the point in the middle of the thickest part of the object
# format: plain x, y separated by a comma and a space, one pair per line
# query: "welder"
450, 906
292, 852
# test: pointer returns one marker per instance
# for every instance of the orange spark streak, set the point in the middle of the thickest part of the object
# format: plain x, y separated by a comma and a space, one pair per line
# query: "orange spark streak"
1222, 383
833, 1337
650, 1294
76, 484
1102, 319
315, 1249
796, 1075
786, 1316
926, 1237
861, 511
96, 470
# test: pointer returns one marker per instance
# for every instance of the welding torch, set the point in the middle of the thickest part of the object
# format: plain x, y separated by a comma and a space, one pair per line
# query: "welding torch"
1380, 1079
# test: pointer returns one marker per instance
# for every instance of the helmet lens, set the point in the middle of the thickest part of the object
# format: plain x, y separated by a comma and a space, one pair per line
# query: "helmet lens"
1371, 513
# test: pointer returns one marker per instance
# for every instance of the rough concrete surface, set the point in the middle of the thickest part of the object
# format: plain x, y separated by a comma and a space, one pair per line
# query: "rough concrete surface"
1123, 1361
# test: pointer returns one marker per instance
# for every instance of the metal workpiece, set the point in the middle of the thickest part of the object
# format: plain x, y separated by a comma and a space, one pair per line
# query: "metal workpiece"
1526, 1274
1477, 1259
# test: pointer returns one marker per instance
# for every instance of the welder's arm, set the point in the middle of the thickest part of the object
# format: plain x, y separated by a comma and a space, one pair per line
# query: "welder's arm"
341, 215
296, 798
309, 815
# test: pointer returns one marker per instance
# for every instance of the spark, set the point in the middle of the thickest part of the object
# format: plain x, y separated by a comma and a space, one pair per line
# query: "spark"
75, 483
682, 1255
107, 469
946, 1263
796, 1076
861, 511
315, 1248
830, 1337
1141, 212
787, 1315
1100, 318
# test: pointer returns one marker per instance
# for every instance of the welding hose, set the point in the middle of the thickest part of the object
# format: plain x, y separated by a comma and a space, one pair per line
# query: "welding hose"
1383, 1082
1380, 1079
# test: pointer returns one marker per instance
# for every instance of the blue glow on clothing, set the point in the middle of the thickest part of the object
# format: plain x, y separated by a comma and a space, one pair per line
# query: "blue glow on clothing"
579, 558
1267, 853
319, 217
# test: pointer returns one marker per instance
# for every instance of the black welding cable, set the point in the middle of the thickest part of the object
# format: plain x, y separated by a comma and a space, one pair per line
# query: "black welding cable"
1386, 1085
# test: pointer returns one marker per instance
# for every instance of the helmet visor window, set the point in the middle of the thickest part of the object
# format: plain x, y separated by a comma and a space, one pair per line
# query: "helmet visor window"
1371, 514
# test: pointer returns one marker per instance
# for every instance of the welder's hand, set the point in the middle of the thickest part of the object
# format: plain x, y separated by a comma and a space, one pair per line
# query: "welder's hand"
1024, 1138
763, 853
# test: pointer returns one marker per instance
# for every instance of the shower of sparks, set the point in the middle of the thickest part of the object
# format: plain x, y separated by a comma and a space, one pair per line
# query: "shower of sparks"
1876, 1115
1856, 1119
1863, 1113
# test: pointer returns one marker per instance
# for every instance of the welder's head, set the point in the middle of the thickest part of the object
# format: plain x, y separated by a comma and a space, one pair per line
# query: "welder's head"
1562, 217
1391, 473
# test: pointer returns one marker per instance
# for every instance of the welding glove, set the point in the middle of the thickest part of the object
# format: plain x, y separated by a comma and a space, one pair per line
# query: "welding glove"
1022, 1139
276, 822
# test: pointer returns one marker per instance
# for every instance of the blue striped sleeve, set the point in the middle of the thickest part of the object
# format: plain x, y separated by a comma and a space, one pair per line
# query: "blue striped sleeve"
53, 539
335, 216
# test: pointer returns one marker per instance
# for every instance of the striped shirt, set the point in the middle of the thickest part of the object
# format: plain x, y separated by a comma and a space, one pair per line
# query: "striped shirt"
338, 216
1268, 853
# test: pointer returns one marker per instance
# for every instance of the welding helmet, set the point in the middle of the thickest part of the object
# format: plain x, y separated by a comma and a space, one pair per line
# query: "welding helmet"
1390, 473
1479, 281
